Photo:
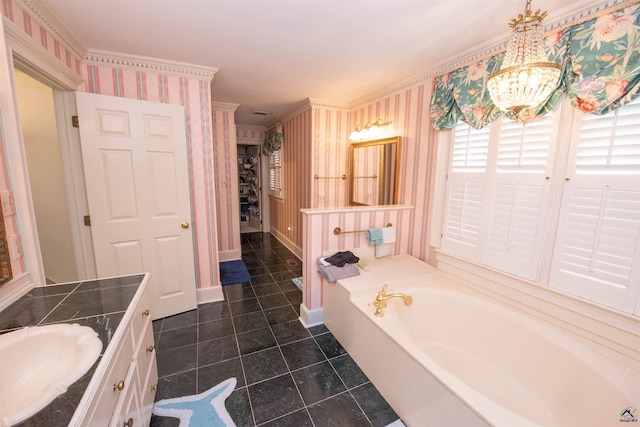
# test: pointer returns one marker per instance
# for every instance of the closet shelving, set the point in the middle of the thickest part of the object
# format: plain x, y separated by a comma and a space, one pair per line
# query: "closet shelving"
249, 187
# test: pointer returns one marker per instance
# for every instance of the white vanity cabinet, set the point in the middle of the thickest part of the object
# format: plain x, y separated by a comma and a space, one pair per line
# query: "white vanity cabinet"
122, 390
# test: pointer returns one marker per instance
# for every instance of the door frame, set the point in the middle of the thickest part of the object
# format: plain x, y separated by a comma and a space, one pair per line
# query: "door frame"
70, 149
24, 53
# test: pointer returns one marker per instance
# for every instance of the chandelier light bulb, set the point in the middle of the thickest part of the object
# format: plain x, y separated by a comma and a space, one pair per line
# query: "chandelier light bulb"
372, 130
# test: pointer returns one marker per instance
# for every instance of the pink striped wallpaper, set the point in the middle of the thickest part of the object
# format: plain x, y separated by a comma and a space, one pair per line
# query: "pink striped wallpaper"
315, 143
329, 155
195, 95
286, 219
226, 168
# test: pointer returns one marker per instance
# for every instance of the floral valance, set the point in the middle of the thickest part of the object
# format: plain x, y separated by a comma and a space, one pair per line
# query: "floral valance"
600, 61
273, 140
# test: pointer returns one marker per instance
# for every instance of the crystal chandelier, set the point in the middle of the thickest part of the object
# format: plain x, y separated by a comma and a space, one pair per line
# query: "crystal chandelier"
526, 78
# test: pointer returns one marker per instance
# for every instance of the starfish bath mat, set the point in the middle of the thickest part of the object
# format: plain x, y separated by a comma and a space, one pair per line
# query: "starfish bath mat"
204, 409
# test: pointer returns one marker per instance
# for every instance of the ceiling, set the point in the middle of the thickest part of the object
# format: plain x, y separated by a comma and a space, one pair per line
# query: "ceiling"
273, 54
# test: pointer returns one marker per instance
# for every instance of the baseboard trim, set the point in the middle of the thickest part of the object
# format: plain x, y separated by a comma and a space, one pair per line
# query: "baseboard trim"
310, 318
287, 243
230, 255
211, 294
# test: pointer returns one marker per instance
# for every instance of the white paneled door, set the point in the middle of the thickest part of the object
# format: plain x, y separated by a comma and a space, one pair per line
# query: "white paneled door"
135, 163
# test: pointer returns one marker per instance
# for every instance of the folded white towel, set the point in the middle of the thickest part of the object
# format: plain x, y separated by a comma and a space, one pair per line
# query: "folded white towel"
322, 261
388, 234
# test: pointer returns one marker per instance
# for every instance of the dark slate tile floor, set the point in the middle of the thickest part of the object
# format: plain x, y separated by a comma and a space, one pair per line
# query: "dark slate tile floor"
286, 375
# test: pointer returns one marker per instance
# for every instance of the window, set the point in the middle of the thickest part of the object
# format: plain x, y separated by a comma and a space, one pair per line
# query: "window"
275, 174
498, 193
597, 252
499, 202
466, 184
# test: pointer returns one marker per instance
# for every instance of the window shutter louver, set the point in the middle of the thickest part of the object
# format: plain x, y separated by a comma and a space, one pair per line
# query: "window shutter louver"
470, 149
610, 144
275, 174
524, 148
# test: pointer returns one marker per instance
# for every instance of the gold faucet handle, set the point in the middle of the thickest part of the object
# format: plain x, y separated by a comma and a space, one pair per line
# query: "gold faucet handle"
383, 291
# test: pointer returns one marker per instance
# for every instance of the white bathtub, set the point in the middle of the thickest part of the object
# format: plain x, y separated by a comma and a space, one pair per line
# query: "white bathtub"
452, 358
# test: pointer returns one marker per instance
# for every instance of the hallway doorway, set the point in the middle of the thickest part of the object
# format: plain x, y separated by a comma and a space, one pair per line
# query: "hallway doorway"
47, 178
250, 188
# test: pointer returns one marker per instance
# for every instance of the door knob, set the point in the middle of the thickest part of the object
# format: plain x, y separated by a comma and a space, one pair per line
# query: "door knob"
184, 225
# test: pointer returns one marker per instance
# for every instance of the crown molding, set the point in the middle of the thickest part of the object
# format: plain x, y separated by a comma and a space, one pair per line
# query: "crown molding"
49, 19
322, 103
391, 89
308, 103
302, 106
224, 106
143, 63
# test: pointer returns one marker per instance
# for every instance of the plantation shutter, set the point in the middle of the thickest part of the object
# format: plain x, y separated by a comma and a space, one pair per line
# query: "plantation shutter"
275, 174
520, 196
465, 190
597, 253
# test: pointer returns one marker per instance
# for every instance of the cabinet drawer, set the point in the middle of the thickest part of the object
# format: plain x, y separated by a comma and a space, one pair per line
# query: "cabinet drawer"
108, 394
128, 406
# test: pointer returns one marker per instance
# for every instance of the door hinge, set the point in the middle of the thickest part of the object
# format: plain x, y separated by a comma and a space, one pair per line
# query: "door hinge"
87, 220
74, 122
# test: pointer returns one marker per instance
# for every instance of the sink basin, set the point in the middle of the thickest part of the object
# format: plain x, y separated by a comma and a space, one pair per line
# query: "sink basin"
37, 364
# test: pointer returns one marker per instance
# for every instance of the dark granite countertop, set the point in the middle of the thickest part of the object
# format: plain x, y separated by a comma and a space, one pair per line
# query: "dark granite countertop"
99, 304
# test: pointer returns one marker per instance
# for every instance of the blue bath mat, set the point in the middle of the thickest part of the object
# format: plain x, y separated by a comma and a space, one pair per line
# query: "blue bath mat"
234, 272
298, 282
204, 409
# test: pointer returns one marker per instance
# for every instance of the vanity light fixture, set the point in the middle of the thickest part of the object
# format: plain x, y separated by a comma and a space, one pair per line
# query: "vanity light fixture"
369, 131
526, 78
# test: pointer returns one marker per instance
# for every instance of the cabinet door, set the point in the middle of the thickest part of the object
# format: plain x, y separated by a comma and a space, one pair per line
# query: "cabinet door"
127, 411
147, 371
148, 392
108, 395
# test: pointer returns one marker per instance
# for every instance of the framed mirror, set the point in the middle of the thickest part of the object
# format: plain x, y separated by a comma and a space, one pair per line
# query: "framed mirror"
373, 172
5, 261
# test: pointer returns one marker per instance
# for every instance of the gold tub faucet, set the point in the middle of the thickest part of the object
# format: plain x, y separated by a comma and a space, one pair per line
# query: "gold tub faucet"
382, 297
